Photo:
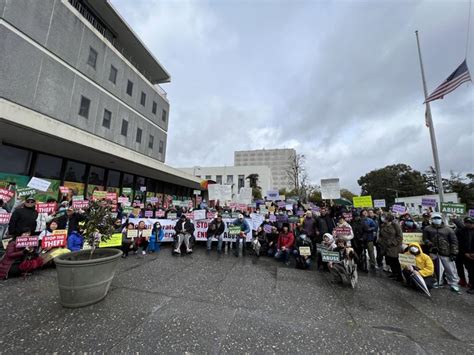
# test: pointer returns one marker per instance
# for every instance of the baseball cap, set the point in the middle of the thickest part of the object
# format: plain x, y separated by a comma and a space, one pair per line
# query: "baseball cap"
436, 215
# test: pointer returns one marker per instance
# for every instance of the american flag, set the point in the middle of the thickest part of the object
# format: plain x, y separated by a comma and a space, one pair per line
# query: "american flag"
459, 76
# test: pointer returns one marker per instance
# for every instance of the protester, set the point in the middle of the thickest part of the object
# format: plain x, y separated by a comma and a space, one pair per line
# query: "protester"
51, 226
358, 242
70, 220
310, 227
142, 240
325, 222
157, 235
272, 240
344, 271
23, 218
443, 248
75, 241
426, 220
424, 266
258, 240
241, 237
369, 234
184, 230
341, 223
285, 243
215, 230
465, 235
127, 243
391, 239
302, 261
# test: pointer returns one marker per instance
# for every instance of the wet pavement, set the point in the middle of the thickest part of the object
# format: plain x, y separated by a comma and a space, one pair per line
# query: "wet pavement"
205, 304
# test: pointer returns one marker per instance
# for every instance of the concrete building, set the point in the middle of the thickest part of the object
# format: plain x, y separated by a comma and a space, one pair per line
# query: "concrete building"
414, 206
80, 100
278, 160
234, 175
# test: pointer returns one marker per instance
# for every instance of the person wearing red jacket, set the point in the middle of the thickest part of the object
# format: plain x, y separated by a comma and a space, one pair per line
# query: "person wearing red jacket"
285, 244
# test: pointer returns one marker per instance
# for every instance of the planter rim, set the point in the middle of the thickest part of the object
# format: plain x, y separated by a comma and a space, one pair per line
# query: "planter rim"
116, 253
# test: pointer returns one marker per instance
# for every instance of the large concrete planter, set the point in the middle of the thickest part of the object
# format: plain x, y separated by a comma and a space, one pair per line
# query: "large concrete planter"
82, 281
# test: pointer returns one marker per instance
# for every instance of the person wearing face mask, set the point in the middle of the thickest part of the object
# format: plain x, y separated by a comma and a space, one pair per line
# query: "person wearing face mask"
465, 235
302, 261
409, 225
391, 239
157, 234
443, 248
424, 266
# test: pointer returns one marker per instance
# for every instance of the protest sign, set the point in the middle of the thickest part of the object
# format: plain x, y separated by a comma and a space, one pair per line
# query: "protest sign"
458, 208
362, 201
281, 218
267, 228
282, 204
407, 259
245, 194
379, 203
64, 189
172, 215
123, 199
142, 188
199, 214
412, 238
320, 247
273, 195
288, 207
341, 232
272, 218
428, 202
6, 195
257, 220
293, 219
263, 210
347, 216
112, 196
398, 209
78, 198
220, 192
99, 195
148, 214
196, 192
5, 218
80, 204
127, 210
330, 189
132, 233
226, 214
115, 240
305, 251
159, 213
330, 256
234, 230
57, 240
146, 233
25, 192
25, 242
300, 213
127, 190
46, 207
153, 199
39, 184
471, 213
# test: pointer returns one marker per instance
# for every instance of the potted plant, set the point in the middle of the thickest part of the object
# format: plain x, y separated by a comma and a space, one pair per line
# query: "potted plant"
84, 276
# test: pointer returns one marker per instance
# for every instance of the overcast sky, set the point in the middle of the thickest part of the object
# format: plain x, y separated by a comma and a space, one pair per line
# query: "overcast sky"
339, 81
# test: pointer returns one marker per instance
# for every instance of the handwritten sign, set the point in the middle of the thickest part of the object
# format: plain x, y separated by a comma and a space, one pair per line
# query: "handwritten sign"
362, 201
56, 240
132, 233
5, 218
80, 204
46, 207
39, 184
330, 256
305, 251
115, 240
25, 242
407, 259
6, 195
412, 238
330, 189
146, 233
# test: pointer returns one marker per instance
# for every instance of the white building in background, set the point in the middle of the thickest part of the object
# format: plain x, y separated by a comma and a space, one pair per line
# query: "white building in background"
413, 203
278, 160
234, 175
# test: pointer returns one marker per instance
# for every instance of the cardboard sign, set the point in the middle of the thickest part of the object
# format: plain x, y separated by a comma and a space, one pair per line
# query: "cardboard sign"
379, 203
6, 195
428, 202
234, 230
46, 207
347, 216
57, 240
273, 195
132, 233
25, 192
199, 215
25, 242
148, 214
305, 251
362, 201
267, 228
80, 204
39, 184
64, 189
330, 256
5, 218
115, 240
407, 259
330, 189
412, 238
458, 208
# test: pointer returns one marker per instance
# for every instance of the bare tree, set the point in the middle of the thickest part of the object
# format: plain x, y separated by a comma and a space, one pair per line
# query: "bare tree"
296, 170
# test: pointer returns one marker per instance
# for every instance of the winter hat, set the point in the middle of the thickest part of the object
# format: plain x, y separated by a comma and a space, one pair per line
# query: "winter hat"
329, 236
436, 215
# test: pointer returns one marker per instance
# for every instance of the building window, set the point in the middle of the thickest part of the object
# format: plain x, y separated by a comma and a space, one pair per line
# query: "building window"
139, 135
124, 128
75, 172
230, 179
107, 118
143, 99
48, 167
96, 176
198, 176
14, 160
163, 115
129, 88
208, 177
150, 141
92, 60
113, 178
84, 108
113, 74
161, 147
241, 182
153, 108
219, 179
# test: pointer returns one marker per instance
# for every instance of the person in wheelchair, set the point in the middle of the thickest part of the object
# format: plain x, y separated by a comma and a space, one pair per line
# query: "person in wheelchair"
184, 233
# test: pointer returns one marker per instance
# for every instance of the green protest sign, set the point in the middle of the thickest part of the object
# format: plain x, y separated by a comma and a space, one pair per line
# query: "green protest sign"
126, 190
24, 192
458, 208
330, 256
234, 230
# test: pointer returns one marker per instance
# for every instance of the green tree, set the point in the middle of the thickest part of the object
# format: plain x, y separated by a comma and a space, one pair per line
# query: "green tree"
345, 193
393, 180
463, 186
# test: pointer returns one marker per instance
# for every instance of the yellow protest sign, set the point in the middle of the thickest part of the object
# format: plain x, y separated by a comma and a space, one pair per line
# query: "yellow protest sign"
115, 240
412, 238
362, 201
99, 195
407, 259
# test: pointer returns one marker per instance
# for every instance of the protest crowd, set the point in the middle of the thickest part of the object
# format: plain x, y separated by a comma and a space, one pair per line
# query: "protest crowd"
425, 253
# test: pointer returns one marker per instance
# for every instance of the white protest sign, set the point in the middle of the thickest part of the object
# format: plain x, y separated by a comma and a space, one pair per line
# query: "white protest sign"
257, 220
197, 192
330, 189
199, 214
273, 195
407, 259
398, 209
379, 203
39, 184
220, 192
245, 195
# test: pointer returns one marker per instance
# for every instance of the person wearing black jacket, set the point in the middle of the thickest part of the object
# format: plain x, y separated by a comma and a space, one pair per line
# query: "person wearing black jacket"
215, 230
325, 223
184, 231
23, 218
465, 234
302, 261
70, 221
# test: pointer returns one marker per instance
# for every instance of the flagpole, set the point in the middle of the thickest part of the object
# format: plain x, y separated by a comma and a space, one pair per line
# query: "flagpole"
434, 146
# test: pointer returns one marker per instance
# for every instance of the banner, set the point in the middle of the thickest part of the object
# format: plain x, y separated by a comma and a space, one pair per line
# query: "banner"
57, 240
412, 238
115, 240
25, 242
362, 201
5, 218
46, 207
407, 260
330, 189
379, 203
458, 208
428, 202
